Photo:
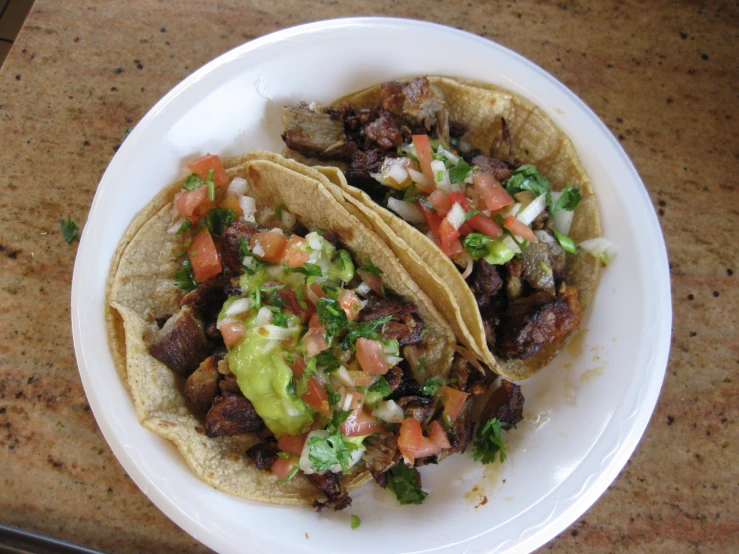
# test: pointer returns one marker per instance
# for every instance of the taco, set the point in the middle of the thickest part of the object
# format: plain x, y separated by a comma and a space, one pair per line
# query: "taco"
250, 312
481, 197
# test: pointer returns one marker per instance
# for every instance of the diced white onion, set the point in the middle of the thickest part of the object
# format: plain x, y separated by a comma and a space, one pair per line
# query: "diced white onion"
238, 306
532, 211
290, 409
599, 247
562, 221
510, 243
288, 220
264, 316
347, 403
363, 289
396, 171
464, 146
513, 209
225, 321
439, 169
393, 360
343, 375
407, 210
451, 156
269, 346
273, 332
175, 226
258, 250
418, 177
389, 411
238, 186
274, 271
378, 177
315, 241
456, 216
363, 304
248, 206
544, 237
249, 263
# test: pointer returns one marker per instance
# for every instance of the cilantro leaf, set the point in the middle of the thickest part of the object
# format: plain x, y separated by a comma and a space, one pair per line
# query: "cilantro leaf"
380, 386
300, 385
69, 229
477, 244
279, 319
459, 172
218, 219
404, 482
569, 200
185, 278
489, 442
469, 215
326, 452
370, 267
339, 417
327, 361
331, 316
366, 329
187, 224
333, 396
431, 385
308, 269
194, 181
271, 296
244, 249
525, 178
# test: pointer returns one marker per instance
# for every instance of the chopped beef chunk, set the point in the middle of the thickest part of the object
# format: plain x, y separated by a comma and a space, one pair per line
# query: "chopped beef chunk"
500, 169
418, 407
229, 384
557, 260
207, 299
313, 134
384, 131
405, 327
229, 242
541, 221
485, 282
457, 129
212, 332
382, 451
533, 321
536, 268
513, 283
489, 325
264, 454
408, 386
460, 433
468, 378
182, 343
380, 478
570, 295
506, 403
394, 378
328, 483
419, 103
201, 386
362, 164
232, 414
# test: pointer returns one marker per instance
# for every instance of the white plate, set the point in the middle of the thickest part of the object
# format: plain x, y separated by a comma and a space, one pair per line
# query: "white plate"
585, 413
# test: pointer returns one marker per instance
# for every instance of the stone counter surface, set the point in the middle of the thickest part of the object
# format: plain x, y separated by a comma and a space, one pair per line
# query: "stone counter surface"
662, 75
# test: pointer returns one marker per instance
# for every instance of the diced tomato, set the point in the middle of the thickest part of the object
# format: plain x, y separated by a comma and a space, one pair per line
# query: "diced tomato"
453, 400
316, 397
314, 341
461, 199
360, 423
232, 203
485, 225
295, 254
292, 444
298, 366
438, 436
454, 248
425, 157
204, 257
268, 245
493, 195
314, 292
412, 443
440, 201
519, 229
203, 165
283, 466
349, 302
232, 332
433, 219
371, 356
447, 233
373, 281
190, 200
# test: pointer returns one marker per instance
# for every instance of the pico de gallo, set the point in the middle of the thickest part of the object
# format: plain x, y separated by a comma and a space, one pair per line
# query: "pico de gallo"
306, 347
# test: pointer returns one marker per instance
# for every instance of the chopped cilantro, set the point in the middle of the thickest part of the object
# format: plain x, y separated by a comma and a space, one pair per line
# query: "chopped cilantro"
525, 178
431, 385
403, 481
426, 203
326, 452
477, 244
489, 442
300, 386
327, 361
271, 296
333, 397
568, 200
187, 224
293, 473
244, 250
308, 269
380, 386
185, 278
355, 521
69, 229
218, 219
331, 316
339, 417
370, 267
279, 319
469, 215
366, 329
194, 181
459, 172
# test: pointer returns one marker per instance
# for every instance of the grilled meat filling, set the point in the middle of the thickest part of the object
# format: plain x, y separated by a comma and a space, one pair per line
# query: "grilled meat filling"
232, 414
182, 343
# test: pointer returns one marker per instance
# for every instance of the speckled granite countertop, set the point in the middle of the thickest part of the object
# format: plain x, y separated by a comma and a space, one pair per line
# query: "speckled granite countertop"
662, 75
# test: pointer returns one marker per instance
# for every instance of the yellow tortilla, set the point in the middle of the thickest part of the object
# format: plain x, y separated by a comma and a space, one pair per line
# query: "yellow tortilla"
535, 140
141, 287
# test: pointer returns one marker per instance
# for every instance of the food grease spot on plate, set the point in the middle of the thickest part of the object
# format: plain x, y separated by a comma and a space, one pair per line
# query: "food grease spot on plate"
576, 345
591, 373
